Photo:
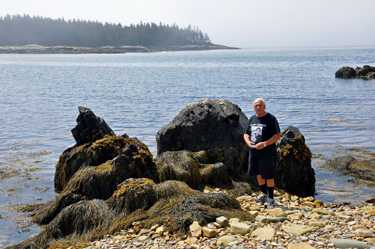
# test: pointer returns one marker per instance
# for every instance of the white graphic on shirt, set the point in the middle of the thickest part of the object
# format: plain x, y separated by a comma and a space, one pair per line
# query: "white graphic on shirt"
256, 131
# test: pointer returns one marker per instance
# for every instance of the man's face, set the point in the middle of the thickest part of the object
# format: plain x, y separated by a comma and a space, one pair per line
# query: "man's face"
259, 108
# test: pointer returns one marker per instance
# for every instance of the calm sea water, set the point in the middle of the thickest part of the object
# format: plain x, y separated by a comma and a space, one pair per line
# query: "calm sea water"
138, 94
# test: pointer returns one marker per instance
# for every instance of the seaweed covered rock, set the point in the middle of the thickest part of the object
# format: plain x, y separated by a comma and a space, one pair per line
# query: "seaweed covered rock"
90, 127
79, 221
176, 206
193, 168
363, 169
97, 153
100, 182
133, 194
214, 126
171, 203
294, 171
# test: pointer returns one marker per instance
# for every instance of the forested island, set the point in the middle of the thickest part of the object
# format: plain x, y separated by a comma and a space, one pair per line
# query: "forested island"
80, 36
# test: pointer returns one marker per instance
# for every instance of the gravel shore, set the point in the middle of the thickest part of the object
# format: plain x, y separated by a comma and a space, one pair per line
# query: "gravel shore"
293, 223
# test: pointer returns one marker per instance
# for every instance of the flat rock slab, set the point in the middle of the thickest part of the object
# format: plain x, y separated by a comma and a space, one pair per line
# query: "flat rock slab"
267, 233
300, 246
348, 243
227, 239
298, 230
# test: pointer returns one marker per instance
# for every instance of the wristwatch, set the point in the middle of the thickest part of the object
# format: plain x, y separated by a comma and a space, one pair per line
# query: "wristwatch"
264, 144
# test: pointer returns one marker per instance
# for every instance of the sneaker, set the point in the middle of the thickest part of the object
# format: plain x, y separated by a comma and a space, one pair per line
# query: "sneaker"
270, 203
261, 198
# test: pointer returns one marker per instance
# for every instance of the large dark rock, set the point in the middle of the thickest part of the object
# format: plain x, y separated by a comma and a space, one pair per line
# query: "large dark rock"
363, 169
294, 171
345, 72
214, 126
90, 127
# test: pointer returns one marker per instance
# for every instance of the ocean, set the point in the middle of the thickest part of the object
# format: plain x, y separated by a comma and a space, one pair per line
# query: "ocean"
139, 93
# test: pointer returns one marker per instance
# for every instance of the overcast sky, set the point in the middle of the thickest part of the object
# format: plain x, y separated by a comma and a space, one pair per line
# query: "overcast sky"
238, 23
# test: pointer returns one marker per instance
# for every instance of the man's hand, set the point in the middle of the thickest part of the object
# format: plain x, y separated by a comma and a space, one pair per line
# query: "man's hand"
259, 146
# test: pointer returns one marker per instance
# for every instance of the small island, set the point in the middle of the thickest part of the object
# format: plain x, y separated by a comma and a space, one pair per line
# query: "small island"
38, 35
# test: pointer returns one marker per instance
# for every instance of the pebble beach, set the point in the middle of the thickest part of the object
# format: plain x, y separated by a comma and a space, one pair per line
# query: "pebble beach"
294, 223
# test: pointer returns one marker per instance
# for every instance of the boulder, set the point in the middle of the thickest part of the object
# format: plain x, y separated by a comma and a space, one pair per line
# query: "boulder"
90, 127
214, 126
345, 72
294, 171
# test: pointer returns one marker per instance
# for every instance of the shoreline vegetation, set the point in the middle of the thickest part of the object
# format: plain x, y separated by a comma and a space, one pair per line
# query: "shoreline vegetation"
38, 49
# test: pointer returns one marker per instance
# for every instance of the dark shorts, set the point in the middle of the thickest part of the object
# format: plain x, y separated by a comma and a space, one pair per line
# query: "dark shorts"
264, 165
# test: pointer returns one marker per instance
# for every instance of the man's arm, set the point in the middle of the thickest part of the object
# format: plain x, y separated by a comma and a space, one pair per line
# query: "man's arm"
270, 141
273, 139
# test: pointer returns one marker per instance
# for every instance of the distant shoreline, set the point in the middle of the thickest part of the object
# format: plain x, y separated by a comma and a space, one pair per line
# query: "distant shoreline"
38, 49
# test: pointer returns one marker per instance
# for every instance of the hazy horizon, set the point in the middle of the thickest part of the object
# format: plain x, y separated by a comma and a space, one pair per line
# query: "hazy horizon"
239, 23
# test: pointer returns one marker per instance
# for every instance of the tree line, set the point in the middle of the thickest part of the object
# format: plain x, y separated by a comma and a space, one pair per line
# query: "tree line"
20, 30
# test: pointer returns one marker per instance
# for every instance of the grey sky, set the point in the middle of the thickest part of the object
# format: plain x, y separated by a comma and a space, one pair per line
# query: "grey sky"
239, 23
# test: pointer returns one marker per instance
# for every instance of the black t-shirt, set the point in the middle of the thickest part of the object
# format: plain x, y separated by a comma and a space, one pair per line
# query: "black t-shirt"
260, 129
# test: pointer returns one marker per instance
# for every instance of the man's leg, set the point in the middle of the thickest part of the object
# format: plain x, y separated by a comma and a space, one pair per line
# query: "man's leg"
270, 187
262, 184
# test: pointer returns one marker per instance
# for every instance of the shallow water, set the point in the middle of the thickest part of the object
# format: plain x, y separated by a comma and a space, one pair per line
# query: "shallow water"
138, 94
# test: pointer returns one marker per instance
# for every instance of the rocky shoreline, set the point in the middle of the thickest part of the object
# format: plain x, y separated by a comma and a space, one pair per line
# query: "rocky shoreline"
196, 193
294, 223
38, 49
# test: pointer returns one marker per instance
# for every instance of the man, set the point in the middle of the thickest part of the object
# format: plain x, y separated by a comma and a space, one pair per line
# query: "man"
262, 158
